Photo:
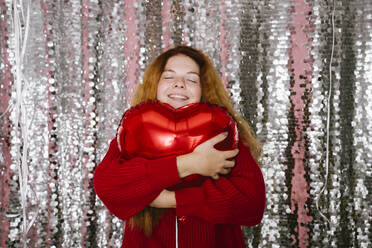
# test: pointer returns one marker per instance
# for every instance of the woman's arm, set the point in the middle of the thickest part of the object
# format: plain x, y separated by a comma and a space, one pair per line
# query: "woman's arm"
205, 160
126, 187
238, 198
166, 199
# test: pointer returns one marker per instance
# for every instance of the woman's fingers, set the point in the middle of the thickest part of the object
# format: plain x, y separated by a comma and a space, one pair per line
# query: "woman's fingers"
215, 177
229, 164
213, 162
231, 153
218, 138
225, 171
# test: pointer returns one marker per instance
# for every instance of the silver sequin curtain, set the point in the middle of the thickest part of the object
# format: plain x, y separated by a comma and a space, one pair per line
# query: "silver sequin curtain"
299, 71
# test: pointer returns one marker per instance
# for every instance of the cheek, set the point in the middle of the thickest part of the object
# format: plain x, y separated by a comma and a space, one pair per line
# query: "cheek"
161, 90
197, 92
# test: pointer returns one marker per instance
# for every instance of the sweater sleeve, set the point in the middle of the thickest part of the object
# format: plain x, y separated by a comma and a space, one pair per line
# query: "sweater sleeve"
126, 187
238, 198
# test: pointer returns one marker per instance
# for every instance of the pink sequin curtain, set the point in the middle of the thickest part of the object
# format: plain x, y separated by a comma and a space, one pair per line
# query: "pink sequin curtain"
299, 71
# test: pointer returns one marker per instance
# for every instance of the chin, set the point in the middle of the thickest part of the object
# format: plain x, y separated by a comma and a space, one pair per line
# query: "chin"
178, 104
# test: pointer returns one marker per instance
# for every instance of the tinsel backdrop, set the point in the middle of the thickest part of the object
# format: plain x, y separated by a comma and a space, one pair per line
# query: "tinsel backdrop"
299, 71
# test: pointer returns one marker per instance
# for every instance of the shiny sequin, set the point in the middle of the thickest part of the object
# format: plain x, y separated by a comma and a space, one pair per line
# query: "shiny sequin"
64, 89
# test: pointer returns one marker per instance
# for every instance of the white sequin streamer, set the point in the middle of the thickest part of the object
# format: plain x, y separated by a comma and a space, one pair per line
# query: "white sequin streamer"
141, 17
22, 114
317, 127
278, 105
328, 116
332, 192
112, 88
201, 28
70, 122
362, 125
232, 25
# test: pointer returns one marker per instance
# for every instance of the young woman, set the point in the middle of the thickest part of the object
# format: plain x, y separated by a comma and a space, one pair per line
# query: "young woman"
208, 213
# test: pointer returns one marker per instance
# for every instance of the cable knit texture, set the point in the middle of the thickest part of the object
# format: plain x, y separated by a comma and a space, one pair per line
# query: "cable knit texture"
209, 215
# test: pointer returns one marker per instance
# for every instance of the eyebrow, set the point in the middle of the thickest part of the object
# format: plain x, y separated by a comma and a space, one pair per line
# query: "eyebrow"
190, 72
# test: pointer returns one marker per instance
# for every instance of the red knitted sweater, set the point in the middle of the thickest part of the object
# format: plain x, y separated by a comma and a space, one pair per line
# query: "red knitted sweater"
209, 215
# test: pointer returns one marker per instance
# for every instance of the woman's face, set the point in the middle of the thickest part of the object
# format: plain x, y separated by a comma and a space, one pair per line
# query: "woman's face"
179, 83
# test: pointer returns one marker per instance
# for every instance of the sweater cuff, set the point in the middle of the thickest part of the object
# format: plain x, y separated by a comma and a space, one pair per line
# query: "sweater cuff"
188, 200
163, 173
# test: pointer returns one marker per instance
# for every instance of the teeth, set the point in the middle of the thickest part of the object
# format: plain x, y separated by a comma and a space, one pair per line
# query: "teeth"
178, 96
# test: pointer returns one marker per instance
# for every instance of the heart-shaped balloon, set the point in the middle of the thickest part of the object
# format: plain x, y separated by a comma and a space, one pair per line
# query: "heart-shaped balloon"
154, 129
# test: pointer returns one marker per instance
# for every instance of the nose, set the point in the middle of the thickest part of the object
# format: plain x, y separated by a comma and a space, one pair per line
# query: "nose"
179, 83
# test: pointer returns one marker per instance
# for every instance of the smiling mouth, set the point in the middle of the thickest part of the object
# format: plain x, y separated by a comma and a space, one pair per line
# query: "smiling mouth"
177, 97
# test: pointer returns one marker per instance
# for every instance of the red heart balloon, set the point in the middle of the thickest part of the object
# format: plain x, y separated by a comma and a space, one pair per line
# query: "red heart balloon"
155, 129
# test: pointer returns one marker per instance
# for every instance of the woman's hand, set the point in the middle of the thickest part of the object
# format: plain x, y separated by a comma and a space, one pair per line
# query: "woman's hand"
166, 199
206, 160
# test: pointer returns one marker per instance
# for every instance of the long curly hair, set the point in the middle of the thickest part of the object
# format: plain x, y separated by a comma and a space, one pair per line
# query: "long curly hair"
213, 91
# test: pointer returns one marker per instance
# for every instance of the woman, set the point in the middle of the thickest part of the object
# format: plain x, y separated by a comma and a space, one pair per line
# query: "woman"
137, 189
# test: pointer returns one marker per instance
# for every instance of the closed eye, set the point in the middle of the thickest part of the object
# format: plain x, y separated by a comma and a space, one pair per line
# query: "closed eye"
193, 81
